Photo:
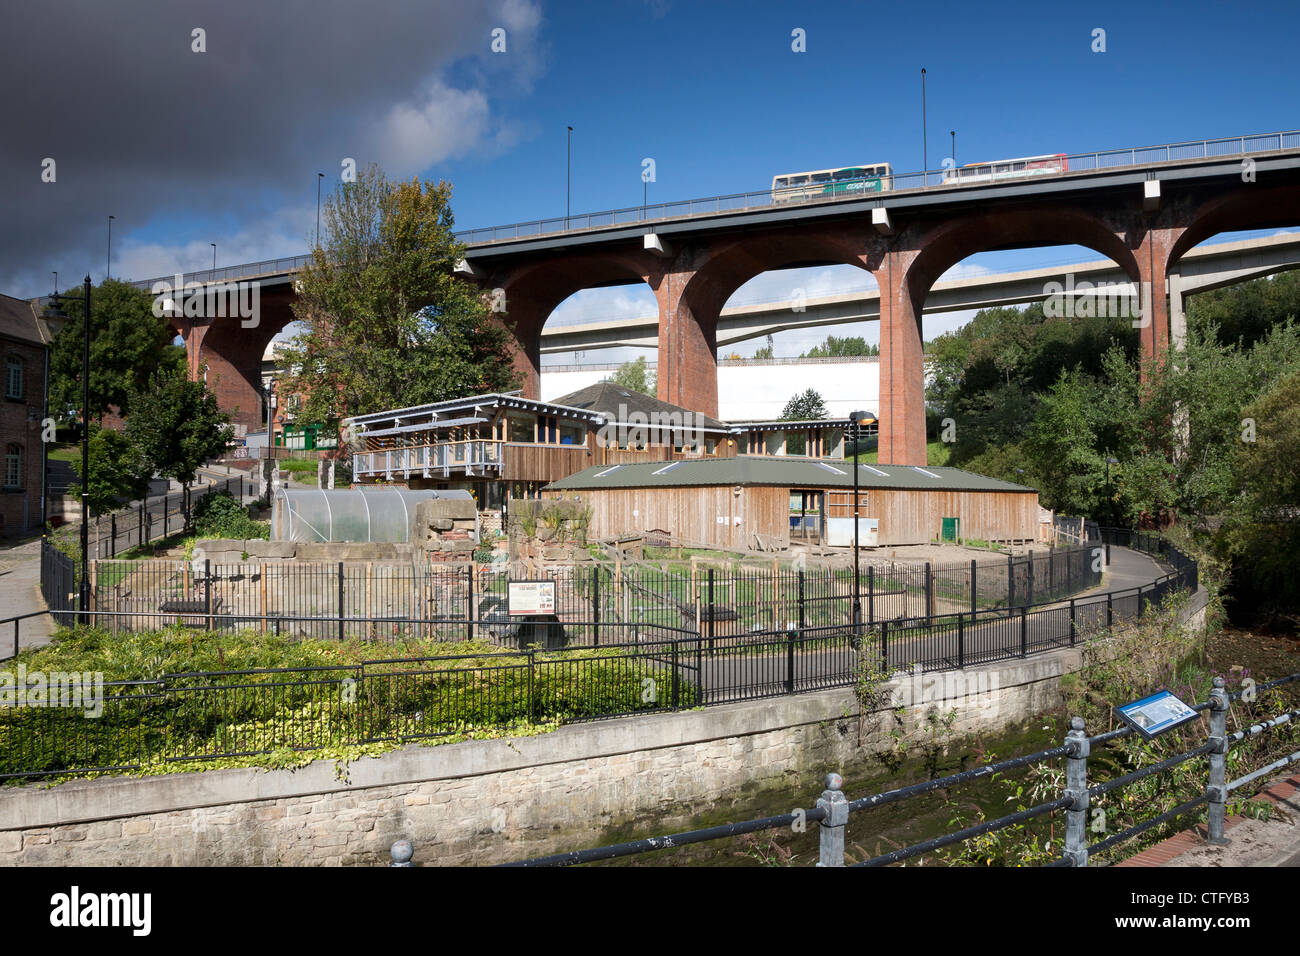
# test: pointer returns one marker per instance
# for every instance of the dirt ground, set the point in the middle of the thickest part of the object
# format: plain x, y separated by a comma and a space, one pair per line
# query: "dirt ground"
913, 554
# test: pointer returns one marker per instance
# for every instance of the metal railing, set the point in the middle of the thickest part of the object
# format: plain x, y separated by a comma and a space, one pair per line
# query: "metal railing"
153, 518
833, 809
445, 456
129, 724
895, 183
763, 198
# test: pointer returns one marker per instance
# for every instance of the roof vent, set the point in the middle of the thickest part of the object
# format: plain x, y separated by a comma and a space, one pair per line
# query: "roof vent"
875, 471
665, 468
832, 468
924, 472
602, 474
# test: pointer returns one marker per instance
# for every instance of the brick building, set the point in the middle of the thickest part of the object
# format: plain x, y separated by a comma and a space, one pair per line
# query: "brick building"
24, 364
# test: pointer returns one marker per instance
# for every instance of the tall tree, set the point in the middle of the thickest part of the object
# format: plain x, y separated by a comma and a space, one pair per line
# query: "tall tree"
118, 471
128, 344
386, 322
635, 376
808, 404
177, 425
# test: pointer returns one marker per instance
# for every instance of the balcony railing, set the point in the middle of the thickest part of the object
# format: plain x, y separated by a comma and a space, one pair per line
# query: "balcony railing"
428, 461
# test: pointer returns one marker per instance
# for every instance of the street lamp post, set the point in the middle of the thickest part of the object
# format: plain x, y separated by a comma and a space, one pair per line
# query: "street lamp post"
568, 180
953, 134
83, 600
108, 264
925, 149
213, 273
319, 178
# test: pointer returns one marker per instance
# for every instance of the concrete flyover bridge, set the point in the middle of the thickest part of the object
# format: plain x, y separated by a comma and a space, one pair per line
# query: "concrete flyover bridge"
1203, 268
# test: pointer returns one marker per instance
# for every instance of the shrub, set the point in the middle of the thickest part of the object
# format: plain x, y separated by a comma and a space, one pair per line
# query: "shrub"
219, 515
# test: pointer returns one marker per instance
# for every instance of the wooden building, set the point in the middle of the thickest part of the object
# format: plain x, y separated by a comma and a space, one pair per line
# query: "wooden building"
747, 501
501, 446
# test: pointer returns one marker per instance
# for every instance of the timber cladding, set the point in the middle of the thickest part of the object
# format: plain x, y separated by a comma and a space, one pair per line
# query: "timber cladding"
524, 462
711, 515
718, 516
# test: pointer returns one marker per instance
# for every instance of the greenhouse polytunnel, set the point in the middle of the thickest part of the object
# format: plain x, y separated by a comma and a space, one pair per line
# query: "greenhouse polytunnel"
374, 513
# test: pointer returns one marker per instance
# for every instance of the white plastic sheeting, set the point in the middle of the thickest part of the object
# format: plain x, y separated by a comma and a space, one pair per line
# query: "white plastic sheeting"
374, 513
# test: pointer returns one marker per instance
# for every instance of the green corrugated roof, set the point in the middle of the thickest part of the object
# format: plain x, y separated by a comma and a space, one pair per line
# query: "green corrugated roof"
777, 470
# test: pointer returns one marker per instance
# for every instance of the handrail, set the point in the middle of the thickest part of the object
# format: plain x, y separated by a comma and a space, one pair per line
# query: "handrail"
914, 182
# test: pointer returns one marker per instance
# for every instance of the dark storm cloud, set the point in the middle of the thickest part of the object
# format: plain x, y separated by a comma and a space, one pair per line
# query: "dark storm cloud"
142, 127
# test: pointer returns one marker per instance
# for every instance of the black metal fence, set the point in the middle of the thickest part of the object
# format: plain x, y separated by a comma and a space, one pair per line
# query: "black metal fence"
154, 518
129, 725
563, 670
377, 599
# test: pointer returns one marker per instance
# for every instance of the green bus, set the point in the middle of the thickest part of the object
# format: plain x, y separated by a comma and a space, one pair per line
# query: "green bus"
841, 182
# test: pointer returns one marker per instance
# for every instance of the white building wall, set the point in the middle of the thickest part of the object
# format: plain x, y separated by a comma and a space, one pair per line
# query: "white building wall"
751, 389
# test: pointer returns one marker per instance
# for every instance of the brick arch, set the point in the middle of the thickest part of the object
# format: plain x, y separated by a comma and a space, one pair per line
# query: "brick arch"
533, 290
703, 280
916, 261
1264, 207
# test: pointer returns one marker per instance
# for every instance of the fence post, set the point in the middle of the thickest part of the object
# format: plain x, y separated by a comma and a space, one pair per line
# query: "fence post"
871, 594
1024, 631
340, 600
595, 605
207, 589
789, 661
1051, 572
112, 529
884, 645
1076, 787
831, 843
801, 605
713, 611
973, 571
676, 681
961, 642
469, 602
1217, 791
1110, 609
1011, 581
143, 512
929, 594
1139, 602
1072, 627
401, 852
1030, 598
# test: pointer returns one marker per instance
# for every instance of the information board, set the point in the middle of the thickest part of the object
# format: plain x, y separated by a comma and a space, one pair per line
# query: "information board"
1152, 716
530, 597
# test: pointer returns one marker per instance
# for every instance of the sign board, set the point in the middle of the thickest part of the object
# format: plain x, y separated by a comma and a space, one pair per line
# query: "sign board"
530, 597
1152, 716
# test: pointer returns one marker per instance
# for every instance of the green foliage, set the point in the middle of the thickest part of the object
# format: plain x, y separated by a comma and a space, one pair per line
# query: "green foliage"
219, 515
177, 426
484, 691
118, 472
635, 376
807, 405
767, 351
835, 347
128, 346
387, 323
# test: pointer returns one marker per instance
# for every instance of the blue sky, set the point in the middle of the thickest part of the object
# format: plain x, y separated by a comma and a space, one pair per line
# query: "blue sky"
713, 92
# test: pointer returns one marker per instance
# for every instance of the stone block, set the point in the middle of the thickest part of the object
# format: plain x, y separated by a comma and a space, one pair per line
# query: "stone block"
257, 549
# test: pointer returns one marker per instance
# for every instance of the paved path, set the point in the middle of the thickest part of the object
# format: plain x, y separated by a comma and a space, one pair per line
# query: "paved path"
1273, 842
20, 593
20, 583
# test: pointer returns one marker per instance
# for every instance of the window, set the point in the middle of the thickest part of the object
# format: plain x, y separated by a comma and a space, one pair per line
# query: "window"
13, 466
521, 429
14, 377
